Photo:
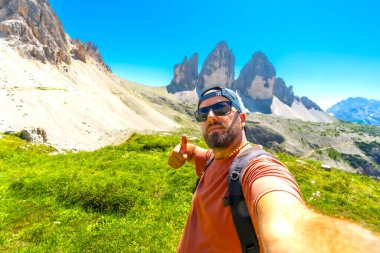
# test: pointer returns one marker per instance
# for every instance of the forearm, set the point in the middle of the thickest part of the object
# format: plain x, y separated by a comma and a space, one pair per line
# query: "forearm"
325, 234
286, 225
193, 152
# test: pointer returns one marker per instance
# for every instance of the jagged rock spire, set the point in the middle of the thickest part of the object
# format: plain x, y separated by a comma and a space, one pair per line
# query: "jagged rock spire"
185, 75
218, 69
256, 78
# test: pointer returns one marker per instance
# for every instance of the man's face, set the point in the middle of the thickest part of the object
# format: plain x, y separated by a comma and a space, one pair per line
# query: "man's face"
220, 131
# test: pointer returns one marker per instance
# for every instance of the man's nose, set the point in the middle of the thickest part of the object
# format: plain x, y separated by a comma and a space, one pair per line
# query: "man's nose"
211, 115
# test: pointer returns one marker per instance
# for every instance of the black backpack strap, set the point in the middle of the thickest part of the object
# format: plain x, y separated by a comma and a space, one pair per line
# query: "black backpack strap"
208, 162
236, 200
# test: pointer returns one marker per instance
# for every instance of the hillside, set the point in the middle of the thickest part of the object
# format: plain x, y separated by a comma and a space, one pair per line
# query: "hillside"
126, 197
52, 82
81, 106
347, 146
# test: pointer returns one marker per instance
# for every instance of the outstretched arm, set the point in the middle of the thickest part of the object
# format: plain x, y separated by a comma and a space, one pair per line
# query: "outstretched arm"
287, 225
183, 152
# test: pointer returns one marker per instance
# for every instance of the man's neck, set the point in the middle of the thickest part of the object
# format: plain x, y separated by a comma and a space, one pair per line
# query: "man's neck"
223, 153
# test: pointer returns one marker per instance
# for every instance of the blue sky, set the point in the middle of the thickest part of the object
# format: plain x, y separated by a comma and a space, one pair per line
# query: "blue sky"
328, 50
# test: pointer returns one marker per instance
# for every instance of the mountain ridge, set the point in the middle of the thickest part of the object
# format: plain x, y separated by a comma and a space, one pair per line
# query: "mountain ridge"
357, 109
256, 84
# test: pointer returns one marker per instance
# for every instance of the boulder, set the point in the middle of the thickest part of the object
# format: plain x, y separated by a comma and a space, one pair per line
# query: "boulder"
34, 135
326, 167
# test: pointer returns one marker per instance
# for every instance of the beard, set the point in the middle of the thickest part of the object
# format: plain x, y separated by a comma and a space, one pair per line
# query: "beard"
217, 140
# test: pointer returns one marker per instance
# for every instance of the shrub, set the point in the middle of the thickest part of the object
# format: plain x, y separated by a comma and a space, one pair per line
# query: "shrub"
334, 154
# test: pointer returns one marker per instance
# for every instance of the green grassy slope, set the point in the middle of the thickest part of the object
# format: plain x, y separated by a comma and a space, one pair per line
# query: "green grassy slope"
127, 199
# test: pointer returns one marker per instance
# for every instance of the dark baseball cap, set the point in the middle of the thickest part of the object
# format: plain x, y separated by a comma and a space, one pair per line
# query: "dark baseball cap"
221, 91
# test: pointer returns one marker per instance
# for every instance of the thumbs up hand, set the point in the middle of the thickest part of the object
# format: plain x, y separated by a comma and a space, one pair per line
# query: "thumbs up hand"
183, 146
179, 154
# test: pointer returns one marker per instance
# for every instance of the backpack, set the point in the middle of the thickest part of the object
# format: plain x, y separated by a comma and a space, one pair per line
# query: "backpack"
236, 201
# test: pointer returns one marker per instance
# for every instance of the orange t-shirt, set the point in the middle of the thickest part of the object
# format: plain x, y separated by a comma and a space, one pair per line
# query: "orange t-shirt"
210, 227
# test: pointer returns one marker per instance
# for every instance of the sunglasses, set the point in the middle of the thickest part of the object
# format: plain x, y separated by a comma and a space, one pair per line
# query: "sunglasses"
219, 109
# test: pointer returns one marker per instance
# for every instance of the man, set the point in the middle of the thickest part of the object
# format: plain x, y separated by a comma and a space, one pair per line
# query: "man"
280, 218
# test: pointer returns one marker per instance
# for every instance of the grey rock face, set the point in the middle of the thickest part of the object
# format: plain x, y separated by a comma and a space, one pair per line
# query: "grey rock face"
34, 29
256, 79
185, 75
217, 69
255, 84
282, 92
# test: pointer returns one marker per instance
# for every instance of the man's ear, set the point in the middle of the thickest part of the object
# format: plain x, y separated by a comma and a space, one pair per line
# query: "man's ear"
243, 118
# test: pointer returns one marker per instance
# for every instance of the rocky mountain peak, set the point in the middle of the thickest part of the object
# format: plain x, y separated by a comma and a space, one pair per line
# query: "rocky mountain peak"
185, 75
256, 79
218, 68
33, 28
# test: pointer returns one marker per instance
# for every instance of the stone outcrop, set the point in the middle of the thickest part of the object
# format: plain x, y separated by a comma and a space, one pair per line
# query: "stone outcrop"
282, 92
34, 29
93, 52
218, 68
185, 75
34, 135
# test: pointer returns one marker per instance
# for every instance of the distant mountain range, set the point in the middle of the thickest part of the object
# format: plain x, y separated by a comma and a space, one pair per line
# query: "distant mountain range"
261, 91
359, 110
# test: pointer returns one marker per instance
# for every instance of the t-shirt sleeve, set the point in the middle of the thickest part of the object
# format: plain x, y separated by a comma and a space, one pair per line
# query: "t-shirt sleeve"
201, 158
263, 175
